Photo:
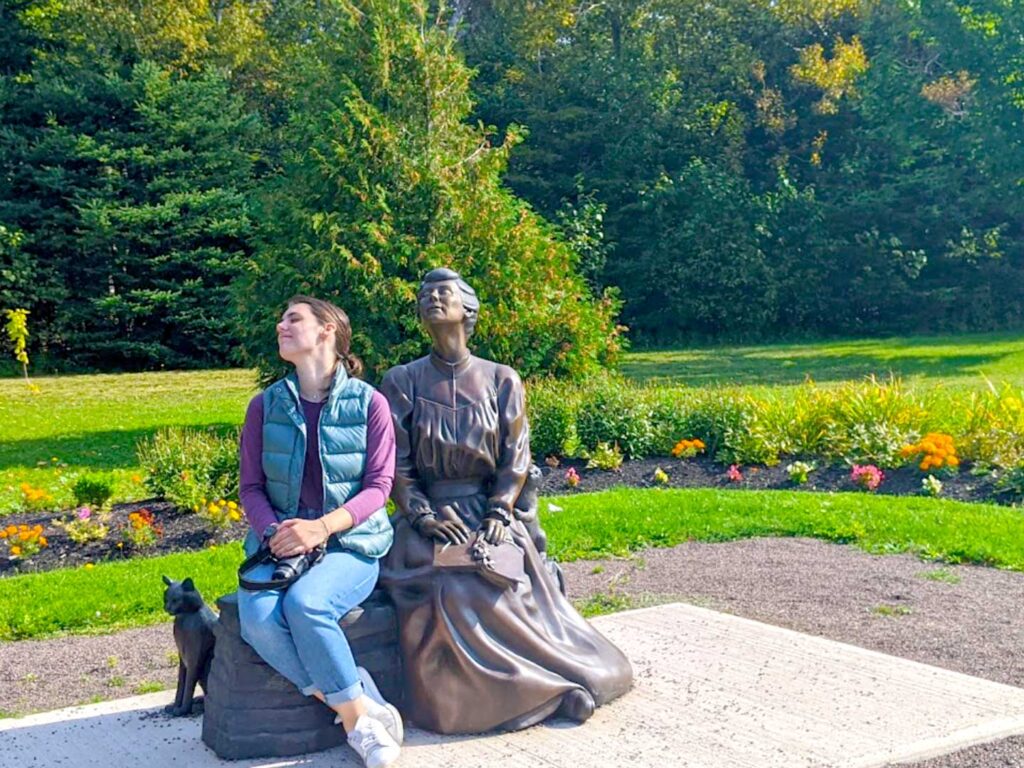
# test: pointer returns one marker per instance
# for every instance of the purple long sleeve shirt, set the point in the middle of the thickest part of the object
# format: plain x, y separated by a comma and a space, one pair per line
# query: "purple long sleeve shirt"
378, 474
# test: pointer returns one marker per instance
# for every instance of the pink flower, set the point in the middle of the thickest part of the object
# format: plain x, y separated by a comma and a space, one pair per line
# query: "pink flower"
734, 473
84, 513
867, 476
572, 477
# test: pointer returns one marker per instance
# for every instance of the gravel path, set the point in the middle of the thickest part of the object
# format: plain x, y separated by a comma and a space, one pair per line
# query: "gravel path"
964, 618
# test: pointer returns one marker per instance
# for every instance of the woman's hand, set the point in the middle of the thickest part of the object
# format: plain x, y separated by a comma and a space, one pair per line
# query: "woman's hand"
446, 531
495, 531
296, 537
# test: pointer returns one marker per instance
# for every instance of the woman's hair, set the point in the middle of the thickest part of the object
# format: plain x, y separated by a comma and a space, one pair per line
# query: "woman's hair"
470, 303
326, 312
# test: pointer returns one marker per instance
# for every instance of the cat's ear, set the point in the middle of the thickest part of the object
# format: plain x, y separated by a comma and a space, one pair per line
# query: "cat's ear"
167, 581
187, 585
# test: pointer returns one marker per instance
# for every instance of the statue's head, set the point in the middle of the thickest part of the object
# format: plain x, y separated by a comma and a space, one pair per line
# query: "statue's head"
444, 297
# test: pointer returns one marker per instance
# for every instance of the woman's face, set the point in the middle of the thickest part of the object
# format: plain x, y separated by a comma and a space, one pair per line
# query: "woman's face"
299, 333
441, 303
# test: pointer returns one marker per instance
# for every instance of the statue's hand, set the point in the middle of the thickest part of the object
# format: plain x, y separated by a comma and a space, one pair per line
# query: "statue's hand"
449, 531
495, 531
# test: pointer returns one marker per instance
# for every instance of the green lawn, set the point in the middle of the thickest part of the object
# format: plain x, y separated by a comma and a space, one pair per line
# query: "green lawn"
946, 360
617, 522
91, 423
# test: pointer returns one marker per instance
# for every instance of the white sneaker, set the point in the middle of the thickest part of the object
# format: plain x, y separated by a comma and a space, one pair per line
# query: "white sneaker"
386, 713
372, 743
379, 709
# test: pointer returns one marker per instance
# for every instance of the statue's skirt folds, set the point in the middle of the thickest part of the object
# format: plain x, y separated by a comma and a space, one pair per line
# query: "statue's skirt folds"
480, 658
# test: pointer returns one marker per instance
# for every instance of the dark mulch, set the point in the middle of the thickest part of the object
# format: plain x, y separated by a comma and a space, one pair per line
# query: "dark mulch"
181, 533
702, 472
187, 532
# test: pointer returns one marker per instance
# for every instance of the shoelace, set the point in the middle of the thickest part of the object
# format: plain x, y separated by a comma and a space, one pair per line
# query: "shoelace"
367, 739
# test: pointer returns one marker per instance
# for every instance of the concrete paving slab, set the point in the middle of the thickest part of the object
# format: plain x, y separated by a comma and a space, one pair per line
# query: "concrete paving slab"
712, 691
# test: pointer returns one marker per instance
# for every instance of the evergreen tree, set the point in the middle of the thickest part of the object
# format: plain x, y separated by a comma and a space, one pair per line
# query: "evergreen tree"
383, 179
127, 188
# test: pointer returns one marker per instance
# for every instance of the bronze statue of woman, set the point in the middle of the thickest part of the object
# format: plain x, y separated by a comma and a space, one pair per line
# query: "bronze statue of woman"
477, 657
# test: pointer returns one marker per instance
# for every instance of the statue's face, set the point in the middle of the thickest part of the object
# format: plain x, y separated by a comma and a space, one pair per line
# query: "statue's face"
441, 303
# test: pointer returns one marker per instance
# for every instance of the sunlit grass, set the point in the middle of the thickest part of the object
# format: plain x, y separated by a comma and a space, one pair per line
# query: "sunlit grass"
91, 423
960, 361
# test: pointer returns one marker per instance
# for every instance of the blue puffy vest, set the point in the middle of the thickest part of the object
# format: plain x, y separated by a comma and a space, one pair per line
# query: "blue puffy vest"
342, 431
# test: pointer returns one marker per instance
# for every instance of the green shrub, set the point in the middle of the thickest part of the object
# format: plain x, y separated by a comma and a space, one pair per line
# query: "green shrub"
189, 466
993, 428
863, 422
93, 491
605, 456
670, 417
736, 427
552, 410
612, 410
1011, 484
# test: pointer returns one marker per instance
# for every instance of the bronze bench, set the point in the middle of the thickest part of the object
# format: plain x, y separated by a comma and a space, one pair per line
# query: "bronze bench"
252, 711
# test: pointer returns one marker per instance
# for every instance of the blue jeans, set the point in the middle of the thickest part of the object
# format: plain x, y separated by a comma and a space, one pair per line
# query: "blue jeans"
296, 631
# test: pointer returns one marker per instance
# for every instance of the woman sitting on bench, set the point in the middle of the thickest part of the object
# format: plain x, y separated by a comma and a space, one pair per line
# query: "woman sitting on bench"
317, 465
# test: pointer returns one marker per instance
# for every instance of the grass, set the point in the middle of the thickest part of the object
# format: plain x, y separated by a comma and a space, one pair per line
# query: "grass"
891, 611
943, 575
620, 521
91, 423
614, 602
611, 523
109, 596
958, 361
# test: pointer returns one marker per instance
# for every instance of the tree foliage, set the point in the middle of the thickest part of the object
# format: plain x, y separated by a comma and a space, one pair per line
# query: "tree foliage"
770, 168
737, 169
382, 180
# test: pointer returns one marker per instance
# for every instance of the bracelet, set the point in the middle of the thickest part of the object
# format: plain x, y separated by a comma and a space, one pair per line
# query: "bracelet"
499, 514
326, 530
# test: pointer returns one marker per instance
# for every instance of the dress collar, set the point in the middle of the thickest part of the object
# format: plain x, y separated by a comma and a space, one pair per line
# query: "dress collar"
447, 368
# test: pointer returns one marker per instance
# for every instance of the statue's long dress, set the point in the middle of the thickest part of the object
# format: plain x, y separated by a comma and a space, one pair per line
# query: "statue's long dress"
477, 657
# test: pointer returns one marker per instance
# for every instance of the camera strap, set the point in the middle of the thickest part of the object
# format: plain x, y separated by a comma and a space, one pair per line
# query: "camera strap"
264, 555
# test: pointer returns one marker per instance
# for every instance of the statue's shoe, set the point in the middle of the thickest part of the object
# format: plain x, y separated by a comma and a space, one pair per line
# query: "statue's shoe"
576, 705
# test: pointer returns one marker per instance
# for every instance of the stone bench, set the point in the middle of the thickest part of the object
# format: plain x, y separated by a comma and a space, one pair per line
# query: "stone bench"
252, 711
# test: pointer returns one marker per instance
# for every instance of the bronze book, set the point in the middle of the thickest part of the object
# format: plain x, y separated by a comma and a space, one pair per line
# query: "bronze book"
502, 565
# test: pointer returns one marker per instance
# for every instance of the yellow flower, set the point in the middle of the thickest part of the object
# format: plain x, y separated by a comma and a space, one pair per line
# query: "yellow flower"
232, 505
89, 566
15, 550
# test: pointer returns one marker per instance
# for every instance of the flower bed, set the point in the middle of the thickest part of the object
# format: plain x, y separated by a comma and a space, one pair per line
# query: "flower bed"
169, 531
189, 531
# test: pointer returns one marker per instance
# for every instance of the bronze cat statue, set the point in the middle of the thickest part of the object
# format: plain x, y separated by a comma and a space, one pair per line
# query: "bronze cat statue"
526, 512
193, 634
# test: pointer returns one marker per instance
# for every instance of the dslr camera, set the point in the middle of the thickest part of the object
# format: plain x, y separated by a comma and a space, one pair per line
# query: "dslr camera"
288, 569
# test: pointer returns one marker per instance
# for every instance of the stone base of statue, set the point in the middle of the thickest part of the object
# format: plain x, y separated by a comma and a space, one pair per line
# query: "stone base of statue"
252, 711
